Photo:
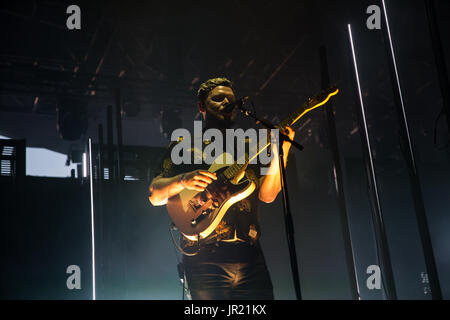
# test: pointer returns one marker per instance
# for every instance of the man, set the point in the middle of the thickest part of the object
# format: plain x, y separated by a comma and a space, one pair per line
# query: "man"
229, 263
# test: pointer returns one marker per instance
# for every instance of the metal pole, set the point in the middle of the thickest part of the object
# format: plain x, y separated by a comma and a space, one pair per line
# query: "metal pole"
100, 164
438, 51
120, 170
119, 199
110, 142
100, 203
337, 175
289, 224
91, 187
109, 208
408, 153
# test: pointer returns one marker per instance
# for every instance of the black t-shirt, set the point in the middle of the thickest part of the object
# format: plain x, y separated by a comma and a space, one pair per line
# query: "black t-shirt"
240, 221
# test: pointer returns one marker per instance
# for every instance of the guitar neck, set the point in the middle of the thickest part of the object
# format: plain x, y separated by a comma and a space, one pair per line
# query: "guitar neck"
309, 105
232, 170
293, 117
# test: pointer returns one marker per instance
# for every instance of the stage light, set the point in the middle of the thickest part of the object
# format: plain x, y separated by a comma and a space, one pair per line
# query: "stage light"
363, 111
84, 165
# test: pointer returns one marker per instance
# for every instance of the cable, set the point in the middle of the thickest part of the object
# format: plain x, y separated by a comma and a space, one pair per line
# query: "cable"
173, 227
180, 265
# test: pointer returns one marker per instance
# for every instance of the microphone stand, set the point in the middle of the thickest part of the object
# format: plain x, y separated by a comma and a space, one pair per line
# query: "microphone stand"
289, 225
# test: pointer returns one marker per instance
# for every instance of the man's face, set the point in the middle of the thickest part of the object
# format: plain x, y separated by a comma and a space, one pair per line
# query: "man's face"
214, 105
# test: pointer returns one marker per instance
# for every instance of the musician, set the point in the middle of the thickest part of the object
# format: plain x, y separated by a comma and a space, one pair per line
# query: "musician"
229, 263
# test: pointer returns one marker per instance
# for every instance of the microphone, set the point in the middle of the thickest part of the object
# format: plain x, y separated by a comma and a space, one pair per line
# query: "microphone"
230, 106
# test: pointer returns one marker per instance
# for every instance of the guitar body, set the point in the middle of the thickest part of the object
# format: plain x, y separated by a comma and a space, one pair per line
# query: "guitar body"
198, 213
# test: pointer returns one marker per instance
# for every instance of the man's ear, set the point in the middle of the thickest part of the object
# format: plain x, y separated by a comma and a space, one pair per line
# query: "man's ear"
201, 107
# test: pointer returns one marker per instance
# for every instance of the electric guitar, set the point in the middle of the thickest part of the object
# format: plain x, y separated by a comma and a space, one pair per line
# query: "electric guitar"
197, 214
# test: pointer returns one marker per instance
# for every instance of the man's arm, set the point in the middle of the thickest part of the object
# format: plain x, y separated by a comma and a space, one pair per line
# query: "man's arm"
161, 189
270, 183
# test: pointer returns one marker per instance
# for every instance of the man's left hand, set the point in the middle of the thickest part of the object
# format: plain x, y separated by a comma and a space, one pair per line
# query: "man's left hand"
290, 133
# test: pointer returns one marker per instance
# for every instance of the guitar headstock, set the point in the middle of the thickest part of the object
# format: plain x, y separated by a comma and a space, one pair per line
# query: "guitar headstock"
321, 97
309, 105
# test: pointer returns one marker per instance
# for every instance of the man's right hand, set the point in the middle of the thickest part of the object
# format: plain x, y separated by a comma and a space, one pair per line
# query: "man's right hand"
198, 180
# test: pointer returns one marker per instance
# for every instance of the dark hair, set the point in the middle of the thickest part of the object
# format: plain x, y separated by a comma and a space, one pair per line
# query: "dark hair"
207, 86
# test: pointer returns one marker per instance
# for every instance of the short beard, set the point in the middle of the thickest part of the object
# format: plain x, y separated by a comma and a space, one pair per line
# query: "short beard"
220, 121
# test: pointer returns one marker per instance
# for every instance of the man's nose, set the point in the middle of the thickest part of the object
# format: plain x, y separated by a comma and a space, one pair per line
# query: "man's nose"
224, 103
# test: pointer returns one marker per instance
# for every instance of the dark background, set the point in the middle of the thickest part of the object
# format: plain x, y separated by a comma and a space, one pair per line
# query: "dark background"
158, 53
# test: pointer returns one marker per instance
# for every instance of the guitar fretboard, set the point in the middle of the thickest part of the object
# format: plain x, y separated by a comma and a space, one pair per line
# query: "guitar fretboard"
232, 170
309, 105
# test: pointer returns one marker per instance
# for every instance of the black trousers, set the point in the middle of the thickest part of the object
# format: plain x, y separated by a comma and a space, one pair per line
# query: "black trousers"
228, 271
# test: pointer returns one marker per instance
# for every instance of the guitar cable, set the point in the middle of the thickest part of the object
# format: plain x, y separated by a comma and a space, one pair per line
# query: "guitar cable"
177, 246
180, 266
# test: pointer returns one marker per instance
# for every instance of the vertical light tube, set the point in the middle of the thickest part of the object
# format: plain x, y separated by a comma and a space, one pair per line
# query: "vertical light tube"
398, 85
91, 184
364, 116
408, 153
380, 232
